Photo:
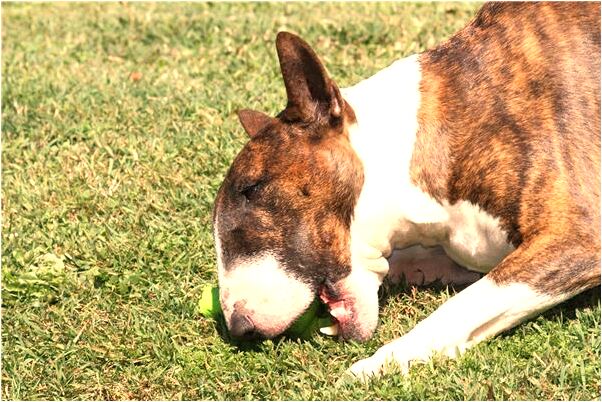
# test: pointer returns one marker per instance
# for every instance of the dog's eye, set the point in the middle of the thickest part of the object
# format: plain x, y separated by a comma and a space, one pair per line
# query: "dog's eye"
250, 191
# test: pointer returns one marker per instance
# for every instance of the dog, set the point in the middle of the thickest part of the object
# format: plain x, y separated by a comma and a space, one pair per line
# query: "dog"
481, 154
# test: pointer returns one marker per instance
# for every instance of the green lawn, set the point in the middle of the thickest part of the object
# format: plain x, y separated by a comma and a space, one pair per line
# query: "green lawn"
118, 125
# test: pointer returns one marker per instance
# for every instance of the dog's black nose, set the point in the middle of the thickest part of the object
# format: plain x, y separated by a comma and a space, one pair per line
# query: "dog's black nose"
242, 327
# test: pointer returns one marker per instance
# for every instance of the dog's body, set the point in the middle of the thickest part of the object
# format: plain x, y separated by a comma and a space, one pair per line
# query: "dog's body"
487, 147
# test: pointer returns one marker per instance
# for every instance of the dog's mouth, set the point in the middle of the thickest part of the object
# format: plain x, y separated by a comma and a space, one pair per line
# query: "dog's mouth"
340, 309
353, 308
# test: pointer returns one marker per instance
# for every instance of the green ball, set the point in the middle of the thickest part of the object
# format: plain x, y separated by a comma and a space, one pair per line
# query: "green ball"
305, 320
309, 322
209, 305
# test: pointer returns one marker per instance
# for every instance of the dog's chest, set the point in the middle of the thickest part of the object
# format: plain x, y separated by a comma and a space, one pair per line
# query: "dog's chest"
473, 238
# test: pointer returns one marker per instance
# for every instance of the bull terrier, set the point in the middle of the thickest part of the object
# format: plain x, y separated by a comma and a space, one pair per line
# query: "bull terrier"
482, 153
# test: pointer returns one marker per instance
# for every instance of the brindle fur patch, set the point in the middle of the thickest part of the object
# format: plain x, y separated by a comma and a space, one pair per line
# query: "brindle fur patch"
510, 121
293, 210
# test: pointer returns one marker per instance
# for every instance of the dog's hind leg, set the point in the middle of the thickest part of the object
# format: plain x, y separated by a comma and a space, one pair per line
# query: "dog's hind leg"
535, 277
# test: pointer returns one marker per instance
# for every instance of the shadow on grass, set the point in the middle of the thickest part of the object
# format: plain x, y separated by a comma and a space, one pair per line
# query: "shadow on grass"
389, 290
252, 345
566, 310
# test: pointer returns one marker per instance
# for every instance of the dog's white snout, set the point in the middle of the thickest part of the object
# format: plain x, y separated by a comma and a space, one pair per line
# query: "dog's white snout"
262, 290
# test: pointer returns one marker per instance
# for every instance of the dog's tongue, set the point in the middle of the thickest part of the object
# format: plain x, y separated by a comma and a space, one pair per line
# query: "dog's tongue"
340, 313
339, 310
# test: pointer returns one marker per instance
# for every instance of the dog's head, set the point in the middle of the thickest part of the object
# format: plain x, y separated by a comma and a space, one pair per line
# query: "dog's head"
282, 216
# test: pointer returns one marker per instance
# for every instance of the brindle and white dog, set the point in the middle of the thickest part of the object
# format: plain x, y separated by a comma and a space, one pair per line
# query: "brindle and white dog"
486, 147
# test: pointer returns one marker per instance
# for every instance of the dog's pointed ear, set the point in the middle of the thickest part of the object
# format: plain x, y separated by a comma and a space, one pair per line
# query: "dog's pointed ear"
308, 87
253, 121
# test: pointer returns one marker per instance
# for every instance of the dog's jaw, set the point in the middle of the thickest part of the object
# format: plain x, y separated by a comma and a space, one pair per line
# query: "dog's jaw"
355, 306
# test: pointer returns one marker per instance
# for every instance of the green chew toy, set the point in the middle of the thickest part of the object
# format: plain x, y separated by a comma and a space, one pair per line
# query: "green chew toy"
304, 327
309, 322
209, 305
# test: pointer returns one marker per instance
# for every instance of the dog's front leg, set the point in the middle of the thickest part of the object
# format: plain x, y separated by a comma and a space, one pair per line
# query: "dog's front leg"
530, 280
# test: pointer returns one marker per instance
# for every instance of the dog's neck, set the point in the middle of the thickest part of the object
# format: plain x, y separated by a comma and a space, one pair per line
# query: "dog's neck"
387, 109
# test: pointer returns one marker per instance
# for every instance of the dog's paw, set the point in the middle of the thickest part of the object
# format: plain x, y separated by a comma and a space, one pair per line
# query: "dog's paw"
397, 355
366, 369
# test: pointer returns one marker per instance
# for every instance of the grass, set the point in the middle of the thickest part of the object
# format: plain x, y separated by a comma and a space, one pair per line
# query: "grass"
117, 128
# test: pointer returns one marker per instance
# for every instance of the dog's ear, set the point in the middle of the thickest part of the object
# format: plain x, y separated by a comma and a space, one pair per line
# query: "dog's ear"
253, 121
308, 87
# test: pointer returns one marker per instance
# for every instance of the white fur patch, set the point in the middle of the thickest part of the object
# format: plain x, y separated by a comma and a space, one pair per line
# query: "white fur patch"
264, 288
272, 297
391, 212
386, 107
482, 310
218, 249
474, 239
